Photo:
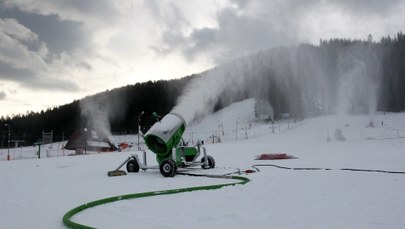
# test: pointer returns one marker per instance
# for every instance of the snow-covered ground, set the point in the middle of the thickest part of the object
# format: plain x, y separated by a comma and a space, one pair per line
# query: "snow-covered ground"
36, 193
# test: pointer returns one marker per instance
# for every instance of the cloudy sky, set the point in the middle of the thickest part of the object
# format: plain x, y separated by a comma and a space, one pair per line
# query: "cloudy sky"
55, 51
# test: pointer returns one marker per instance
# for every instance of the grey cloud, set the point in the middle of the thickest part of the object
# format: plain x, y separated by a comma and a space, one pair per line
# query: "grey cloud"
168, 13
236, 35
252, 26
58, 35
245, 34
294, 8
2, 95
31, 44
10, 73
12, 28
52, 84
84, 65
103, 9
173, 23
376, 7
75, 10
241, 3
205, 37
30, 79
12, 91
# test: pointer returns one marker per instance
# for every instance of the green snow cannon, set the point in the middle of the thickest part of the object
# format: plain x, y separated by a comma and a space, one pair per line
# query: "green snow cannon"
165, 135
164, 139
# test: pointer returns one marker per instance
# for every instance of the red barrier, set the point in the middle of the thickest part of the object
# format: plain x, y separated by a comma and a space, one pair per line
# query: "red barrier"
274, 156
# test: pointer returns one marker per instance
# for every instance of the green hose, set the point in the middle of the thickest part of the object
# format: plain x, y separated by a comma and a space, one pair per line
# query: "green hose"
69, 223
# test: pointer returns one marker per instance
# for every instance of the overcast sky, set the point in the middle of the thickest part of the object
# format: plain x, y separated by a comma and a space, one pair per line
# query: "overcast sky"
55, 51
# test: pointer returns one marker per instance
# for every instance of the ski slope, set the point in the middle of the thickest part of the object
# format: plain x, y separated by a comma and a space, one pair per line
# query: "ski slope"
36, 193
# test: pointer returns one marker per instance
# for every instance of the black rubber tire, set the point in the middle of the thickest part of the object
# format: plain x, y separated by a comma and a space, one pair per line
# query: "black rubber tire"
132, 166
168, 168
211, 163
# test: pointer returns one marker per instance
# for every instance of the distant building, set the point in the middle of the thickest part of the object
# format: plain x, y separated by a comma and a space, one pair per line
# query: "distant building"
47, 137
82, 141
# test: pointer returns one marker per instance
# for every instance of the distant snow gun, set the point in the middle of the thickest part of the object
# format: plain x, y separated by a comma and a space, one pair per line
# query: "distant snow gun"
165, 140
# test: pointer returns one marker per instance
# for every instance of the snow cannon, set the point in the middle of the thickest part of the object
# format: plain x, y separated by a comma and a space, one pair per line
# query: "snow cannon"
165, 135
165, 140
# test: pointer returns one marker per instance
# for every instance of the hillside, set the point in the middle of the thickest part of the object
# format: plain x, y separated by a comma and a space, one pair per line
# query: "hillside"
42, 190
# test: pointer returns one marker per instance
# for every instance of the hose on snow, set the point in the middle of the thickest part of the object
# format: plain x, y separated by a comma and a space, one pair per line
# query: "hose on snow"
67, 218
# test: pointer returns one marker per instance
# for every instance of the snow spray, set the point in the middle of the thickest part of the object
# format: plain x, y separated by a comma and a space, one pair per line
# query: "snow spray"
201, 95
359, 73
97, 116
296, 77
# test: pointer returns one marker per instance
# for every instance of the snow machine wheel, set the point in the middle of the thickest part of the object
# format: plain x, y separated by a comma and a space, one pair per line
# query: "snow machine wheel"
168, 168
211, 163
132, 166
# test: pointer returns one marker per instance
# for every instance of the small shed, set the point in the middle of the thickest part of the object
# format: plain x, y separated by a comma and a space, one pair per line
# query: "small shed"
82, 141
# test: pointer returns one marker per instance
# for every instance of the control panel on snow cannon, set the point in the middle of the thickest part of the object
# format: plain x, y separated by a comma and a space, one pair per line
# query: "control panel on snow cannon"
165, 135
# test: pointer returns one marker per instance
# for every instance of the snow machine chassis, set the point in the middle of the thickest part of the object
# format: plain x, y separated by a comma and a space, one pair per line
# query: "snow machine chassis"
168, 166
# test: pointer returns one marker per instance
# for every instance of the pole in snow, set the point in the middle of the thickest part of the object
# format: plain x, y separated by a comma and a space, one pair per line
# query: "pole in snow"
8, 142
139, 127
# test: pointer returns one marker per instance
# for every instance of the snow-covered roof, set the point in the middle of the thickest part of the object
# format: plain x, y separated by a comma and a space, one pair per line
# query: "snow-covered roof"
98, 144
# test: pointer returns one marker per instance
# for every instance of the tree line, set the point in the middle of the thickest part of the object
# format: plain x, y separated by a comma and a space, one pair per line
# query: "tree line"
126, 103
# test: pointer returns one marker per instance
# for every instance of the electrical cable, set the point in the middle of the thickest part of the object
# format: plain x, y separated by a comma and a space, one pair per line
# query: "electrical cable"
342, 169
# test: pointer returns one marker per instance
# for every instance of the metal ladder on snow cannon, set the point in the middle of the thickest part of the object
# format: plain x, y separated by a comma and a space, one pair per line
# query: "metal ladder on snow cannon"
164, 139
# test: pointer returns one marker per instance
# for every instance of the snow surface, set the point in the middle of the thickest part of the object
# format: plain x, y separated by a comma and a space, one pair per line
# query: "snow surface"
36, 193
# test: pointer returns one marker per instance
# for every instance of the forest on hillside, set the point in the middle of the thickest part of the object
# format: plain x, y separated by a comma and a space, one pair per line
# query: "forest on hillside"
338, 75
126, 103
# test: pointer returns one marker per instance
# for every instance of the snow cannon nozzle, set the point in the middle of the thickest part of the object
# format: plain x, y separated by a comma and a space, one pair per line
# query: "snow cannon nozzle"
165, 134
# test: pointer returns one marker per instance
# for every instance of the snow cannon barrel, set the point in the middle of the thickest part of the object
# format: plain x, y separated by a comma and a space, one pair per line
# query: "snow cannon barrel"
165, 135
